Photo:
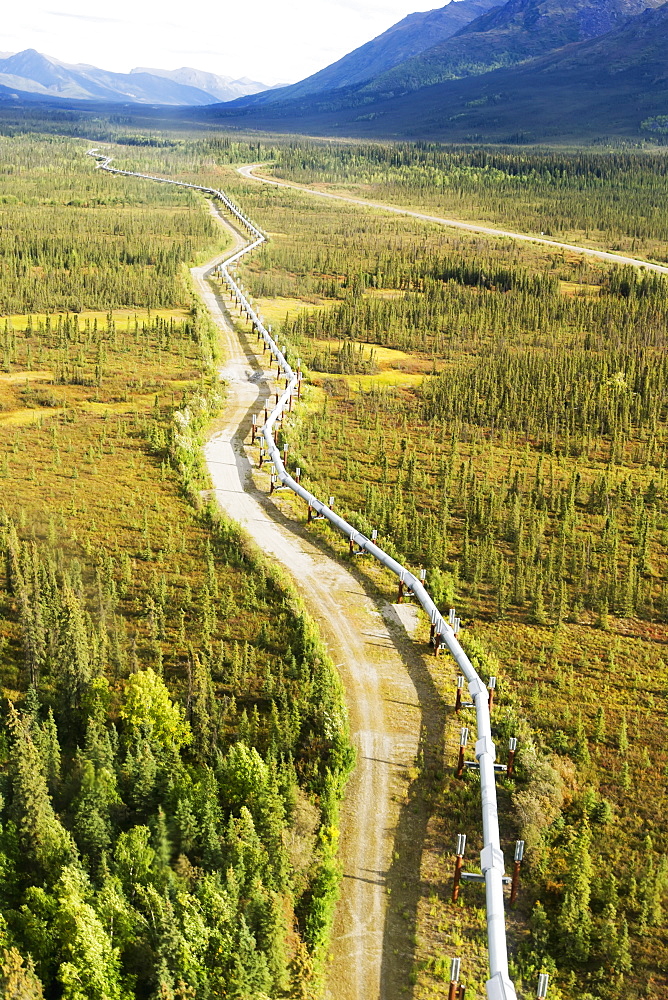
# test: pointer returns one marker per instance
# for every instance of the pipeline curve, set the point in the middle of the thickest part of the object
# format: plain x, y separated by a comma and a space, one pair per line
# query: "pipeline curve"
499, 985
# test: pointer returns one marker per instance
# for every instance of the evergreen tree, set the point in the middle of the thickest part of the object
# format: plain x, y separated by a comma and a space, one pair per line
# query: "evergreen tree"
575, 919
18, 980
73, 663
43, 839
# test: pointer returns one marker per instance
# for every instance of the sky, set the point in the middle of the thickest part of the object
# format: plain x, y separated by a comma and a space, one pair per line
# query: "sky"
273, 41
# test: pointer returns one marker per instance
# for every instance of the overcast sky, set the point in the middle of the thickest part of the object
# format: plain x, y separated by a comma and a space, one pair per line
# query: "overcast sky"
286, 40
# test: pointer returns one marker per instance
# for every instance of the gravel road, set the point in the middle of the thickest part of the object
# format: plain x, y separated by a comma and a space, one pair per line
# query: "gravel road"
249, 172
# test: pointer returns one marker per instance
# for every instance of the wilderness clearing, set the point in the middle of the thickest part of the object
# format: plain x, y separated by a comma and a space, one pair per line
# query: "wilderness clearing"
364, 638
497, 412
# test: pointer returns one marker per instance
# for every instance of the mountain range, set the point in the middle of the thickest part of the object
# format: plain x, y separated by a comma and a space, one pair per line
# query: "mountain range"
31, 72
508, 35
536, 70
473, 71
401, 42
464, 38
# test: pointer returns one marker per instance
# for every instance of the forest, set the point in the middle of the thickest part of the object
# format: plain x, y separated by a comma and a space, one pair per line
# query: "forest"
600, 199
174, 740
497, 411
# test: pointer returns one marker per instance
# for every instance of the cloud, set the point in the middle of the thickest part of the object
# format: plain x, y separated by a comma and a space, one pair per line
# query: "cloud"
86, 17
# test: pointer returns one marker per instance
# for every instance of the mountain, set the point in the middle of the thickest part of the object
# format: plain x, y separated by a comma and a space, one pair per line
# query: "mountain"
39, 74
402, 41
32, 72
220, 88
500, 36
507, 35
592, 90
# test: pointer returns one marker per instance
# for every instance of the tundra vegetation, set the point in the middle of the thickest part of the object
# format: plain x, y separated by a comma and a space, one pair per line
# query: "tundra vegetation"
173, 738
498, 411
524, 466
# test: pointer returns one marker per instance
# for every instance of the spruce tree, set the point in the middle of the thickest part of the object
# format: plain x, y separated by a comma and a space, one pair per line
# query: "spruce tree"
43, 839
575, 919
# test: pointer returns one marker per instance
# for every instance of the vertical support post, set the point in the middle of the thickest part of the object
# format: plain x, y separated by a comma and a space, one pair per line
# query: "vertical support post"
298, 474
455, 964
451, 617
310, 514
492, 689
285, 455
432, 628
460, 688
272, 486
400, 594
438, 638
351, 544
254, 428
459, 864
512, 748
519, 854
463, 740
331, 503
543, 980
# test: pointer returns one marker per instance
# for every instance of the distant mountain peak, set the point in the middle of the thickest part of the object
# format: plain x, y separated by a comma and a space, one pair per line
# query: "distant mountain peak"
33, 72
221, 88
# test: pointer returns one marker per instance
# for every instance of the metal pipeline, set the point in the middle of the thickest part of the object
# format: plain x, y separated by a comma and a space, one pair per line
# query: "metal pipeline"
499, 985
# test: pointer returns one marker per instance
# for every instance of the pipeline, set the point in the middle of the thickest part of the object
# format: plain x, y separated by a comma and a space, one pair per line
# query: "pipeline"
499, 985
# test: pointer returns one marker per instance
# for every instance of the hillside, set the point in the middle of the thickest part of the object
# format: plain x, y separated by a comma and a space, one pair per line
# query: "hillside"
504, 36
404, 40
411, 55
602, 87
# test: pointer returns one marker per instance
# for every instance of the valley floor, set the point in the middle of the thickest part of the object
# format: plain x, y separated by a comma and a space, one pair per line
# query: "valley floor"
364, 637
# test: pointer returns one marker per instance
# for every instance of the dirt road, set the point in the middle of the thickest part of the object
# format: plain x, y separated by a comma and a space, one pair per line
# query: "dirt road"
365, 642
249, 172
